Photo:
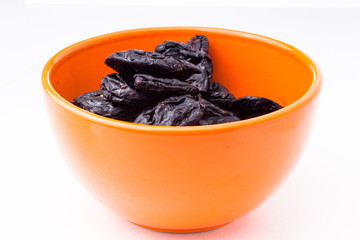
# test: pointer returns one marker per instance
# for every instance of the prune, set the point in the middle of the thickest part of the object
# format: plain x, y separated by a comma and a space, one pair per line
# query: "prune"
170, 87
249, 107
214, 115
136, 61
194, 51
213, 110
179, 50
199, 81
163, 86
96, 102
182, 110
122, 93
218, 120
182, 51
206, 67
219, 95
199, 42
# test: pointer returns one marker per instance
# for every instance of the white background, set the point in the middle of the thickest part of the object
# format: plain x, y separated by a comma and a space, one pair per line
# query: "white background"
40, 198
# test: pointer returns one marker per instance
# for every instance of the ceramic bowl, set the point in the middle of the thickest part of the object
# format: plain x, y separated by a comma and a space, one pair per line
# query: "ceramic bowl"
185, 179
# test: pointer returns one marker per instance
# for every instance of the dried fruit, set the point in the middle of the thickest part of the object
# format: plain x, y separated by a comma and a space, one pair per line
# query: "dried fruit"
194, 51
97, 102
137, 61
182, 110
214, 114
219, 95
164, 86
171, 86
122, 93
249, 107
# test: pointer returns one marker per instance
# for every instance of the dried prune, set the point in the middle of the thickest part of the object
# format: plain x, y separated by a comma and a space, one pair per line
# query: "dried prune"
213, 110
249, 107
96, 102
182, 51
218, 120
199, 42
171, 86
219, 95
199, 81
184, 110
194, 51
136, 61
163, 86
214, 114
122, 93
203, 80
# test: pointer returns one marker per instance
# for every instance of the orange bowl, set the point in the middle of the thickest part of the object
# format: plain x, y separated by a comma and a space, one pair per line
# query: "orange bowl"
185, 179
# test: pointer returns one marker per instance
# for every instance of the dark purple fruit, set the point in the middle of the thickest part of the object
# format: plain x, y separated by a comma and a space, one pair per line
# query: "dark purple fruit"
249, 107
97, 102
182, 110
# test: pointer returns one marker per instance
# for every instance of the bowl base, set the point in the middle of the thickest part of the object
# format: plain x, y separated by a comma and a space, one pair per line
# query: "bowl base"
182, 230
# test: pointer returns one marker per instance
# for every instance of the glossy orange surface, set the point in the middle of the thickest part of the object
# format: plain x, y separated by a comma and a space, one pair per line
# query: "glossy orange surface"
185, 179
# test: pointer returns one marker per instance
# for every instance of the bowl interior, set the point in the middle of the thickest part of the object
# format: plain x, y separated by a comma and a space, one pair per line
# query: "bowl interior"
246, 64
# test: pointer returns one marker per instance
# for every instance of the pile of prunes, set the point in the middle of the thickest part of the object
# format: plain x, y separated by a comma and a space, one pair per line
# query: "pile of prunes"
171, 86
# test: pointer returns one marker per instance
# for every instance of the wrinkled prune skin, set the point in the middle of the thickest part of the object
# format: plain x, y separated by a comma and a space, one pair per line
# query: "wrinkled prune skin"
199, 42
217, 120
96, 102
137, 61
179, 50
219, 95
214, 114
163, 86
122, 93
182, 51
211, 110
183, 110
249, 106
199, 81
194, 51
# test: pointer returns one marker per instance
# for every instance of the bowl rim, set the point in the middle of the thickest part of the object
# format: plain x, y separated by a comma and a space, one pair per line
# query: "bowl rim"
308, 97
